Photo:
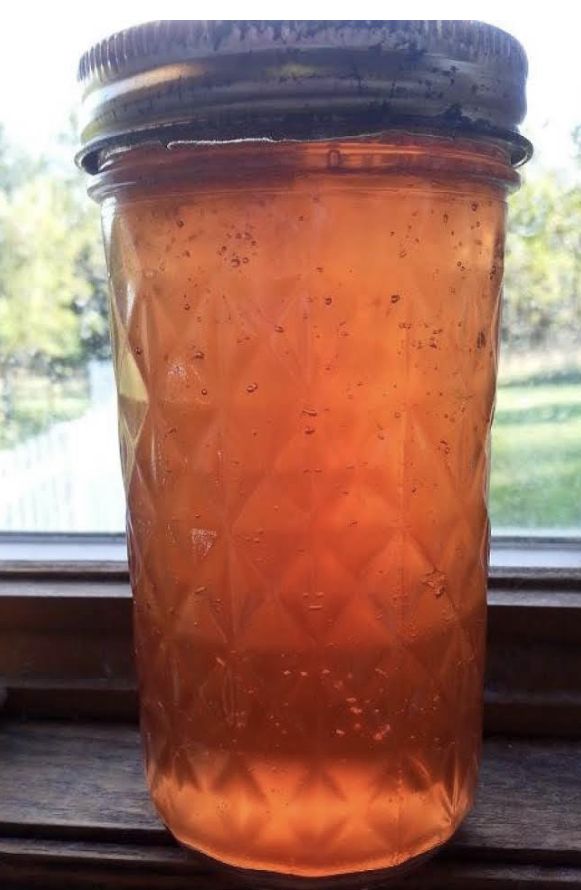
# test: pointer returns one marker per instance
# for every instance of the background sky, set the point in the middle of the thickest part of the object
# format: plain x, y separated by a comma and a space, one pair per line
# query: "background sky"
40, 47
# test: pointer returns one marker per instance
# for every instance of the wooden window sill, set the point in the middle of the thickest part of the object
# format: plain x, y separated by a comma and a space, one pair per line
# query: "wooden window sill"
74, 812
66, 646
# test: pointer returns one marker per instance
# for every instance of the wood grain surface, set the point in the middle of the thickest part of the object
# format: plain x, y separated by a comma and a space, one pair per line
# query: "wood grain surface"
74, 808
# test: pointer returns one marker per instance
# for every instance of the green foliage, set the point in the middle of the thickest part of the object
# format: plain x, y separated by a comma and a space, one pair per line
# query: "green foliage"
52, 279
543, 267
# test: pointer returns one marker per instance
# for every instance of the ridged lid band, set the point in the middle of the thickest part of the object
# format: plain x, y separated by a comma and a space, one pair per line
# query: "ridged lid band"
187, 80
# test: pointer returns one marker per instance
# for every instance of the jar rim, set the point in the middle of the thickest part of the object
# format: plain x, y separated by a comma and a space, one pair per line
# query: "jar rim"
265, 165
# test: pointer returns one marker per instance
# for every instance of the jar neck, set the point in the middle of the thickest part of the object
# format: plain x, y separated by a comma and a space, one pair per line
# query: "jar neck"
240, 163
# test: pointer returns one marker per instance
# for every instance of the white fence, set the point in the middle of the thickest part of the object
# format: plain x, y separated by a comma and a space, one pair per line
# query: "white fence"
67, 478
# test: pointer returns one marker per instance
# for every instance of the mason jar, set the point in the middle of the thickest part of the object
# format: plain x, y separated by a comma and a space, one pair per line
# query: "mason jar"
304, 225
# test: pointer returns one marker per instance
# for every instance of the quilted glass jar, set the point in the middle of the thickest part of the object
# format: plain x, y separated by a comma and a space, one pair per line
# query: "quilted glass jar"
305, 341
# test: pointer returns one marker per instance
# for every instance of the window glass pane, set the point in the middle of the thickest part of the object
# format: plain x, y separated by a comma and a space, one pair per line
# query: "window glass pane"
59, 466
536, 443
536, 478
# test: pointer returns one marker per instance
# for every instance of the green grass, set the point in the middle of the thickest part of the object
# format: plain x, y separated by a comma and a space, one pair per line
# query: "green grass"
536, 456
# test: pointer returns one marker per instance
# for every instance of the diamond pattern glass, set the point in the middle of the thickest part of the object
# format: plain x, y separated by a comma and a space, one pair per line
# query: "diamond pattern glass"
306, 365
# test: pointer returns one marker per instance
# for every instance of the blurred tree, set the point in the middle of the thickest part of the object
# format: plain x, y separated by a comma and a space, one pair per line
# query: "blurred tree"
53, 300
542, 283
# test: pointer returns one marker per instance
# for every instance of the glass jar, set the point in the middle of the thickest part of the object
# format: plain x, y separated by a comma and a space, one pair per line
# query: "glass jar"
305, 339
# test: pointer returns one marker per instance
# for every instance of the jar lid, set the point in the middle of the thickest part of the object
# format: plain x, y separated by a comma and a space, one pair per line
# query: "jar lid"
172, 81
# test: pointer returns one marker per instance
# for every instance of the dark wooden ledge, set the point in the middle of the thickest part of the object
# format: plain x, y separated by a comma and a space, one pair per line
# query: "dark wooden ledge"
66, 647
74, 812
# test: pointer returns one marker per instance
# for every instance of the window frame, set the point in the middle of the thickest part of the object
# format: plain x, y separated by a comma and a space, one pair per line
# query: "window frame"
526, 552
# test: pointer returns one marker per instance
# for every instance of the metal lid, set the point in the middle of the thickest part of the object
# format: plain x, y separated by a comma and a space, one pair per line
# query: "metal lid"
225, 80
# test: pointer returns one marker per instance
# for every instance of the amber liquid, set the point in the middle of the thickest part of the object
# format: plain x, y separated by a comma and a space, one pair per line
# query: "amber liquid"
306, 370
